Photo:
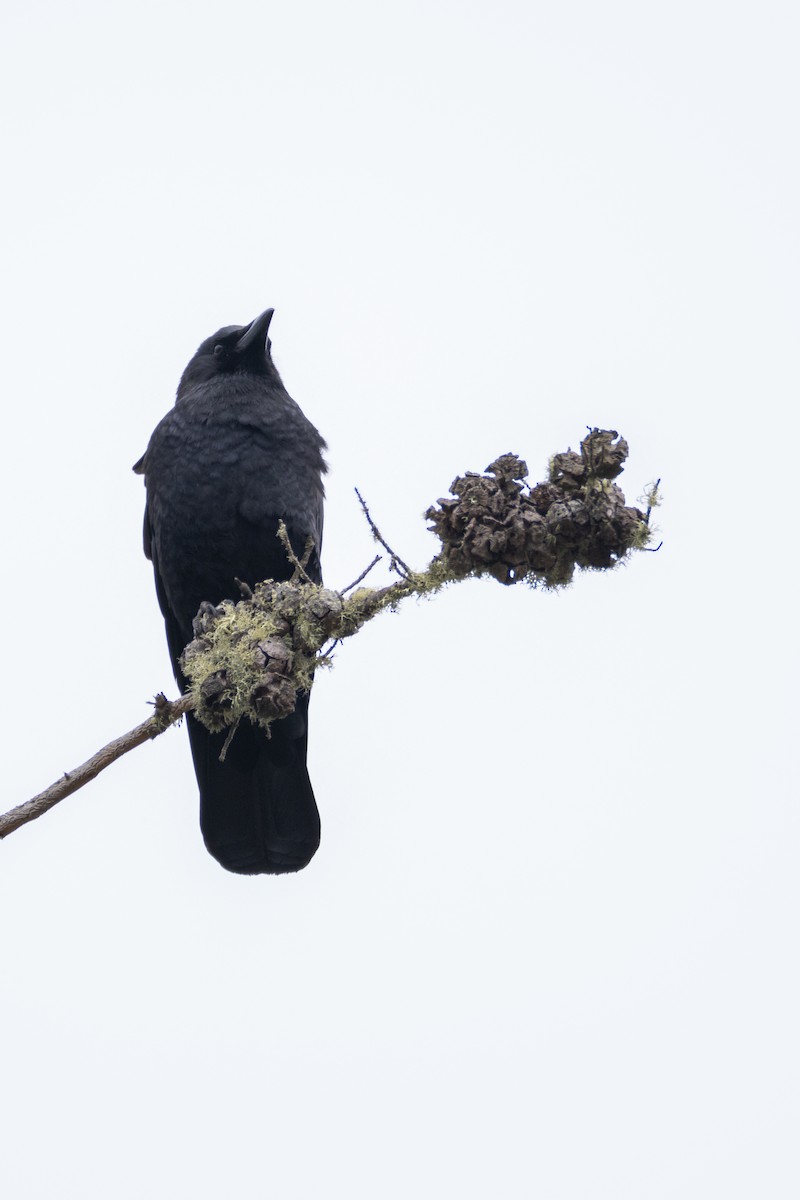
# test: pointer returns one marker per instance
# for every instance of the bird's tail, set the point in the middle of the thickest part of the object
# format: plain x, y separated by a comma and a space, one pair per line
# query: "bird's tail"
257, 810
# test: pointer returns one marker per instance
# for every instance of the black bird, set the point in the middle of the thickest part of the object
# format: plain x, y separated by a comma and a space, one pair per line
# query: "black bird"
233, 457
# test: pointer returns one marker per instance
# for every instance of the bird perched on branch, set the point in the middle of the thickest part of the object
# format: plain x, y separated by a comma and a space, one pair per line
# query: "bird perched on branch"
232, 458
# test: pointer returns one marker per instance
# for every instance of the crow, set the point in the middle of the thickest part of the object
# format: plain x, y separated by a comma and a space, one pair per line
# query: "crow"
233, 457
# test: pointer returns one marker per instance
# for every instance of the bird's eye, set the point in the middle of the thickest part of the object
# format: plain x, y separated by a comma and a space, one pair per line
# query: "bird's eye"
219, 349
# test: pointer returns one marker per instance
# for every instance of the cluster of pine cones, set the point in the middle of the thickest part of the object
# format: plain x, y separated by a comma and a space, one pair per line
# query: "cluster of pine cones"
495, 524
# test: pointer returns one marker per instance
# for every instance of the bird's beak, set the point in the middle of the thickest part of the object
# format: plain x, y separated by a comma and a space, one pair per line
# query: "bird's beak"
256, 333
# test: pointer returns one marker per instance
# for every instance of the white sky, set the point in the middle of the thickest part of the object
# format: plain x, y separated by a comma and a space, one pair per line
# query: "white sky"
548, 947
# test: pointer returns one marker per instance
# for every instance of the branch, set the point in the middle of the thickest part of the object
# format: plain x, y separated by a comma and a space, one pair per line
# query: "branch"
395, 561
363, 575
299, 564
250, 659
166, 714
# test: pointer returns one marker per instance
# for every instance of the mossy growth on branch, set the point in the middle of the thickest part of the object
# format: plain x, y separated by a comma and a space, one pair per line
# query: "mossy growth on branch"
249, 659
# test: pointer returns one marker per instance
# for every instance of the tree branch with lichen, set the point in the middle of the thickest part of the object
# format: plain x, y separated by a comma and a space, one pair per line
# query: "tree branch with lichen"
167, 712
249, 659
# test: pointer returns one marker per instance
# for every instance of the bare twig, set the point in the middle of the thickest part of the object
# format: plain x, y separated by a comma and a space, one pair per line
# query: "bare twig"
363, 575
224, 751
396, 562
167, 712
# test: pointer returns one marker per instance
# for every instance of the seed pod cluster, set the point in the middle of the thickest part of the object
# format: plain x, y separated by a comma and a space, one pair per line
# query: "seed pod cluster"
495, 524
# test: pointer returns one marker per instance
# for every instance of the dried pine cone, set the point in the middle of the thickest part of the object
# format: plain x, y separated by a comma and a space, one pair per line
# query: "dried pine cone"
496, 525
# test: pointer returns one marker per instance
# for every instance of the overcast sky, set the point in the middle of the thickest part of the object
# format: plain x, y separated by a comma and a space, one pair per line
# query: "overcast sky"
548, 947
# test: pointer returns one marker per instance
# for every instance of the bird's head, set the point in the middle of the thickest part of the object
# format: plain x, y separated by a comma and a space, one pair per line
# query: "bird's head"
242, 349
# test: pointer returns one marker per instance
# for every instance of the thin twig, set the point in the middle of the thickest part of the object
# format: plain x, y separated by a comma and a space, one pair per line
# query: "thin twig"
396, 561
310, 545
653, 493
224, 751
298, 564
363, 575
166, 714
